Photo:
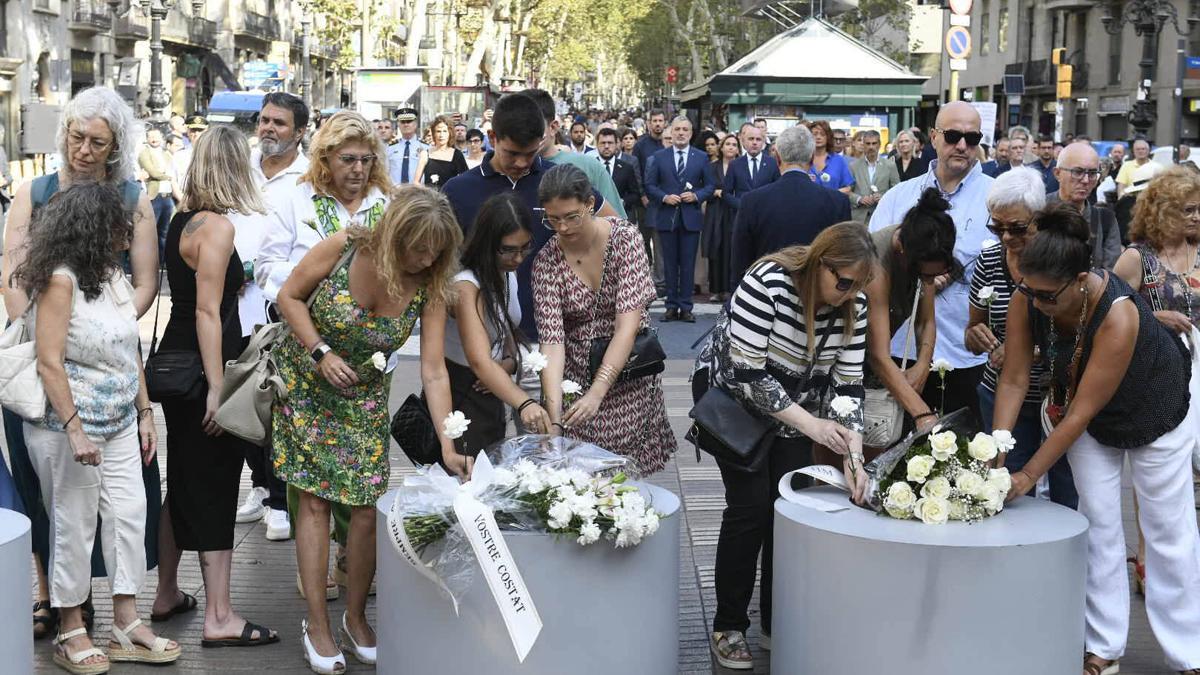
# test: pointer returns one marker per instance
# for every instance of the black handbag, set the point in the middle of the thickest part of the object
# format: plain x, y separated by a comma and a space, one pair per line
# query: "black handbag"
733, 435
645, 359
413, 431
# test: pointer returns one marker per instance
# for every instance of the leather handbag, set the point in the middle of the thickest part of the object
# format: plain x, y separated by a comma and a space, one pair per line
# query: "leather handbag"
252, 383
175, 375
21, 389
413, 430
883, 416
647, 356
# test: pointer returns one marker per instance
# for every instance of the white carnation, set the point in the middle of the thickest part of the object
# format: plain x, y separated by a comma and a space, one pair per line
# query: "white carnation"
560, 515
1004, 440
943, 445
938, 488
941, 366
932, 510
535, 362
982, 447
571, 387
843, 405
455, 425
919, 468
589, 534
1000, 479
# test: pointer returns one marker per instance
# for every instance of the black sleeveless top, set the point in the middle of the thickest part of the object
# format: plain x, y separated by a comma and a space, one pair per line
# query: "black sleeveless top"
1153, 396
180, 333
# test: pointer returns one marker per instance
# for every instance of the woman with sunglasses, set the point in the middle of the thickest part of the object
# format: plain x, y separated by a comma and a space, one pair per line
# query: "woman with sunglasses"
483, 338
800, 310
1012, 201
920, 248
1104, 350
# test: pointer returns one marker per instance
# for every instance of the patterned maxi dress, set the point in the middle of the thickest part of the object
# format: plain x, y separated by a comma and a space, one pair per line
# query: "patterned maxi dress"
632, 420
331, 444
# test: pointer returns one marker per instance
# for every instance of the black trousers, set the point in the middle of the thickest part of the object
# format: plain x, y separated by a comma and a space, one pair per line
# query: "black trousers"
747, 526
960, 391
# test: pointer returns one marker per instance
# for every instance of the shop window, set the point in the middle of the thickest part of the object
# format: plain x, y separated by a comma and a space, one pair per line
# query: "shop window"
1002, 28
985, 25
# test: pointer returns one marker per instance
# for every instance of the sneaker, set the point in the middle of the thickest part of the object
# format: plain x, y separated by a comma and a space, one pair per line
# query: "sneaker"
252, 509
278, 527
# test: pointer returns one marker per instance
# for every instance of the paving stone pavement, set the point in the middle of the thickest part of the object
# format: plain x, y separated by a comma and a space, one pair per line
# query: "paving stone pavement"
264, 591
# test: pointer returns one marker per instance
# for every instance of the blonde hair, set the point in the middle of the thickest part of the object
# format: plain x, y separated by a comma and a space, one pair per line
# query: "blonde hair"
345, 127
838, 246
416, 216
218, 177
1158, 211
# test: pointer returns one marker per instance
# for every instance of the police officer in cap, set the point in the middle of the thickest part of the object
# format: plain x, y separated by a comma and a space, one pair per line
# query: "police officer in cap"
404, 153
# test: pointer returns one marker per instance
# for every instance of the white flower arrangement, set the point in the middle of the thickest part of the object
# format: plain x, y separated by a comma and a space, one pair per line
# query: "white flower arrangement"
535, 362
379, 361
946, 477
455, 425
987, 294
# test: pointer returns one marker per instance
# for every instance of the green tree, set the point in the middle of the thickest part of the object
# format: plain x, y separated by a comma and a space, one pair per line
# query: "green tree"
881, 25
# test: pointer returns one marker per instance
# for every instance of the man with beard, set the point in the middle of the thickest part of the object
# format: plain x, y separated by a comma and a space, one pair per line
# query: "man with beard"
460, 137
275, 164
645, 148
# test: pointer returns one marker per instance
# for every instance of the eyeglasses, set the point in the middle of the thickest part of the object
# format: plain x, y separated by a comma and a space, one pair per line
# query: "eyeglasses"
351, 160
570, 220
1045, 297
1000, 228
843, 283
75, 140
953, 136
516, 251
1079, 173
1191, 210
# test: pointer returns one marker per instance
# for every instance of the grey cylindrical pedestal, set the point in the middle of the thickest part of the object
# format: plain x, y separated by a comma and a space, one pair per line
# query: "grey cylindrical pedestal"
16, 593
603, 610
858, 593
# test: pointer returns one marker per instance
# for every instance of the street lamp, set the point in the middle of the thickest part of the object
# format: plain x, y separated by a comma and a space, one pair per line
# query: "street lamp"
305, 56
1148, 18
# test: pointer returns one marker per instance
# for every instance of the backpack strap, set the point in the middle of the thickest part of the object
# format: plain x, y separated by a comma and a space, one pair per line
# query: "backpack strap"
131, 192
1150, 281
42, 188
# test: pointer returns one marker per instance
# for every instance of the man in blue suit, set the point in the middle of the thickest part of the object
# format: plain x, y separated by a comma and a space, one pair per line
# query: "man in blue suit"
792, 210
677, 181
753, 169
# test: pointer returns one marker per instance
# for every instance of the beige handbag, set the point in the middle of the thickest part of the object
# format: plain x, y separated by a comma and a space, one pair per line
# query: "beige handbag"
883, 416
21, 389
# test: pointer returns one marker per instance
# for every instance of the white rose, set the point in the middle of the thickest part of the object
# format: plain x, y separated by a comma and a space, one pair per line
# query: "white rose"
589, 534
901, 496
919, 468
932, 510
968, 482
571, 387
379, 361
535, 362
982, 447
941, 366
455, 425
1004, 440
938, 488
943, 445
992, 498
843, 405
958, 509
897, 512
1000, 479
987, 294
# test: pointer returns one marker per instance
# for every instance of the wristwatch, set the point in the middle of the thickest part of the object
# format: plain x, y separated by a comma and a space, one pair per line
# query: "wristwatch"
319, 352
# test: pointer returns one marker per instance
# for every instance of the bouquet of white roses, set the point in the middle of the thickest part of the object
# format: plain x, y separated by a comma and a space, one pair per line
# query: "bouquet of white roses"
942, 475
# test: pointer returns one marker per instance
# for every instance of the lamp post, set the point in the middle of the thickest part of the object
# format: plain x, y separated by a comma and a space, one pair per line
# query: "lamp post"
305, 56
1148, 18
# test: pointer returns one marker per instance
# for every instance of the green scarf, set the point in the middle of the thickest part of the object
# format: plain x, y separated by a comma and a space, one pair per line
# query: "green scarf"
327, 219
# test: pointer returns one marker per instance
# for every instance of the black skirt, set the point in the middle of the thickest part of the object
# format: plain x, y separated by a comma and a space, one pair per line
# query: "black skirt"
486, 411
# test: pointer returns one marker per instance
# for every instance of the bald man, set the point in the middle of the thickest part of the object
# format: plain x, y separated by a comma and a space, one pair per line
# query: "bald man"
956, 173
1078, 173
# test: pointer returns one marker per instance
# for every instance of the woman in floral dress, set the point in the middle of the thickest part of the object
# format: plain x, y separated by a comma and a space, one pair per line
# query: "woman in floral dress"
592, 280
331, 434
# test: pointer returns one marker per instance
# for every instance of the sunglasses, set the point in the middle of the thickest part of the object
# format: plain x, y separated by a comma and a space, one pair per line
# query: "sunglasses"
843, 283
953, 136
1000, 228
1045, 297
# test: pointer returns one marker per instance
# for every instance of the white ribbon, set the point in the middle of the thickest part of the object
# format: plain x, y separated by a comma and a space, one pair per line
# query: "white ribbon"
479, 524
822, 472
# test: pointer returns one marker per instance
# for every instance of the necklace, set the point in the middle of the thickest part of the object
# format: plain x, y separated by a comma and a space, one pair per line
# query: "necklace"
1053, 410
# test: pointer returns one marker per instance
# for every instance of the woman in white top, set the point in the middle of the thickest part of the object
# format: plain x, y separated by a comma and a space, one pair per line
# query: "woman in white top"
475, 149
98, 430
483, 339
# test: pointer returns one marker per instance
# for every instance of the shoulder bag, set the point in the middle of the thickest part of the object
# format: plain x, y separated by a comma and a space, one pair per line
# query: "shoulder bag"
647, 356
252, 382
21, 389
735, 436
883, 416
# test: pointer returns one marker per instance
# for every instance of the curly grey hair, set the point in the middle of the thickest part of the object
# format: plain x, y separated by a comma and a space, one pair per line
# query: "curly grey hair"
104, 103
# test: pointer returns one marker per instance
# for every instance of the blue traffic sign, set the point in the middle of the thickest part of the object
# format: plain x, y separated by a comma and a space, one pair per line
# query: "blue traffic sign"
958, 42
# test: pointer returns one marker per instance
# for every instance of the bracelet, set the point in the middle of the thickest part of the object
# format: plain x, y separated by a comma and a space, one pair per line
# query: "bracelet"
607, 374
923, 415
528, 402
559, 425
141, 412
71, 419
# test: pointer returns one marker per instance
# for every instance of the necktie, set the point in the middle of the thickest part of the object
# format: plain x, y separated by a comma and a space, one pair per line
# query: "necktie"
679, 163
753, 168
608, 166
404, 163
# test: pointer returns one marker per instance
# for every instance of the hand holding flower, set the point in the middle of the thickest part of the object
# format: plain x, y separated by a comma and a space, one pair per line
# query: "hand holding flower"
583, 409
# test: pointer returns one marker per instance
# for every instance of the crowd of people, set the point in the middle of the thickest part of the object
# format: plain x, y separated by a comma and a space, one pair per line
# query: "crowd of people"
915, 277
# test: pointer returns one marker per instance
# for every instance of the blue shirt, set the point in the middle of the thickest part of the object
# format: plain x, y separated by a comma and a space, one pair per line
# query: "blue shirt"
396, 161
835, 175
1048, 176
968, 209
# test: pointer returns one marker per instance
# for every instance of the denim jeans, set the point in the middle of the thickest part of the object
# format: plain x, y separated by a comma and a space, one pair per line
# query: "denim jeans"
1027, 432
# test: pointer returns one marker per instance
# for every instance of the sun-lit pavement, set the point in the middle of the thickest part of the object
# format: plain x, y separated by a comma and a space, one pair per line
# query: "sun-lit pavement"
264, 572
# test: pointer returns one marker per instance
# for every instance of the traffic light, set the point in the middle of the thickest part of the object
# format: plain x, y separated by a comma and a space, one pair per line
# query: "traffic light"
1065, 74
1058, 56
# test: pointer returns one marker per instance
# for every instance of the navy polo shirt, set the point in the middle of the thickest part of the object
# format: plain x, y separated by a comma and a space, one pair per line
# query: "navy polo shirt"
468, 191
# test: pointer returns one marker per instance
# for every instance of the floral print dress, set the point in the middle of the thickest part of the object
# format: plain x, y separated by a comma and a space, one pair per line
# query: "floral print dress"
326, 442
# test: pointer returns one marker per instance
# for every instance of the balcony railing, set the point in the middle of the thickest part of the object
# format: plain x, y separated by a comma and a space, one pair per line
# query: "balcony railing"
260, 26
90, 17
132, 25
203, 32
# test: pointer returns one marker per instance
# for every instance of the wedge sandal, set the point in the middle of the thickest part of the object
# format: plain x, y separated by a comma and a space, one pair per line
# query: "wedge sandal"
124, 649
74, 663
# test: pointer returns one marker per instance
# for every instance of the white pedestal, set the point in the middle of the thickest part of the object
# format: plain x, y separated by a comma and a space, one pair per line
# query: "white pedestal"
855, 592
16, 594
603, 610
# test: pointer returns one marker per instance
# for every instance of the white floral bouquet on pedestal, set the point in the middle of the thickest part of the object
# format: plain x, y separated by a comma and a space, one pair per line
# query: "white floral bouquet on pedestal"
944, 475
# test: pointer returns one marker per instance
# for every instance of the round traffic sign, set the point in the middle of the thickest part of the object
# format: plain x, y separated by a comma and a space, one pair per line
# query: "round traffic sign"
958, 42
961, 6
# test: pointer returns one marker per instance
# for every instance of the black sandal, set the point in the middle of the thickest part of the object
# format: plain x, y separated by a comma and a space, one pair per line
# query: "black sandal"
187, 604
44, 625
265, 637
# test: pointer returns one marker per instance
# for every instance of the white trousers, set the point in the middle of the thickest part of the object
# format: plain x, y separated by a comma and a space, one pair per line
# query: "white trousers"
1162, 477
74, 494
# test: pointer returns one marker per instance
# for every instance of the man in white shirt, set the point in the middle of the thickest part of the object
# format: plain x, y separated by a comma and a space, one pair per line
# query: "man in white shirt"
404, 153
276, 164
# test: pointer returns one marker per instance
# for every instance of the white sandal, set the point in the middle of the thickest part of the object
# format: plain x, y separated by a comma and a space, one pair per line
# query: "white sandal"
74, 663
365, 655
123, 648
323, 665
